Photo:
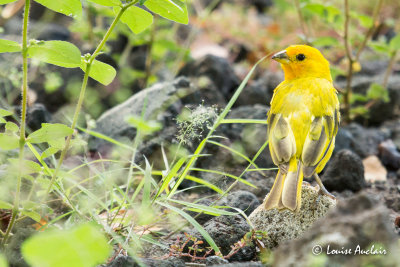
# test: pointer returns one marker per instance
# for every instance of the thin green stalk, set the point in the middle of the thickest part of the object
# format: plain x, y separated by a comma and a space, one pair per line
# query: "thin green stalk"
23, 121
83, 90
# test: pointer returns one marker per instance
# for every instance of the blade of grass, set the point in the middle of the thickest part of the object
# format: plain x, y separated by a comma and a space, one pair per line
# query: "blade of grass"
227, 175
195, 224
171, 174
105, 138
215, 126
209, 210
205, 183
234, 151
244, 121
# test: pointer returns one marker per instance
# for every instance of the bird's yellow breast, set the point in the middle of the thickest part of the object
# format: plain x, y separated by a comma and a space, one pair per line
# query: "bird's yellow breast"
300, 101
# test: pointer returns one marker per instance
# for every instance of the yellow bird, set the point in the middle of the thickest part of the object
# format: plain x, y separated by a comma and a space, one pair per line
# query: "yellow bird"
302, 124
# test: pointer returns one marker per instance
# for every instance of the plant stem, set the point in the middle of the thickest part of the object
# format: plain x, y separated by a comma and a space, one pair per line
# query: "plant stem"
302, 21
23, 121
83, 90
349, 55
389, 69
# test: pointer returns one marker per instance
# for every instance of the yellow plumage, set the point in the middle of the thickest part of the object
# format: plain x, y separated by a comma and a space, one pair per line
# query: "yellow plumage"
302, 124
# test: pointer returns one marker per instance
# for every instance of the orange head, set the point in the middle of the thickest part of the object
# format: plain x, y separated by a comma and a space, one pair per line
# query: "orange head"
303, 61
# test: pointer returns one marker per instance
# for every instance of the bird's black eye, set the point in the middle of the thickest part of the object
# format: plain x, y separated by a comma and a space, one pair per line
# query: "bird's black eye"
300, 57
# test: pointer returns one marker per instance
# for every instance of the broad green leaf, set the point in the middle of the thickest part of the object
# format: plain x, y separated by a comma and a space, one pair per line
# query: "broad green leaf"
60, 53
4, 113
57, 143
358, 98
32, 214
9, 46
317, 9
49, 132
170, 9
11, 127
106, 2
136, 18
27, 167
3, 261
364, 20
380, 47
378, 92
82, 246
100, 71
3, 2
5, 205
394, 43
8, 141
72, 8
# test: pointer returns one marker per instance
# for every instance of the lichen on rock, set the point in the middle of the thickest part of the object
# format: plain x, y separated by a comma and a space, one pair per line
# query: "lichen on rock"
286, 225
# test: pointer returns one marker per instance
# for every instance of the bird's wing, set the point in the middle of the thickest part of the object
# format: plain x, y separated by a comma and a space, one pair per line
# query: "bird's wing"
319, 141
282, 143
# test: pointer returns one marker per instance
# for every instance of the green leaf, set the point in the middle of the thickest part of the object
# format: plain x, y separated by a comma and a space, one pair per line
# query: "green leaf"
358, 98
27, 167
203, 208
11, 127
4, 113
49, 152
5, 206
32, 214
83, 246
136, 18
380, 47
378, 92
8, 141
364, 20
60, 53
394, 43
100, 71
9, 46
49, 132
106, 2
3, 261
72, 8
174, 10
3, 2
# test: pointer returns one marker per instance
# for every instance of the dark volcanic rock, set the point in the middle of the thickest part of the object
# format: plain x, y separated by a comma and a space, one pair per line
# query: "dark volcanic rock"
226, 231
357, 223
244, 200
261, 90
389, 155
243, 264
217, 69
345, 171
37, 114
215, 260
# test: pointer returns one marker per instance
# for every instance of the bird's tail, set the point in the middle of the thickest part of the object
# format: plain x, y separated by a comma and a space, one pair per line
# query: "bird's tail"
286, 191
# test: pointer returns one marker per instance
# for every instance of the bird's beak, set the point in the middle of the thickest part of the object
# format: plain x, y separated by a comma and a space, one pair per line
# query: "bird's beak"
281, 57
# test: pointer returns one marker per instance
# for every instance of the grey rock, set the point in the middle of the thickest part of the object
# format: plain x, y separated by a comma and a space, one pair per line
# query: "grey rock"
286, 225
127, 261
243, 264
243, 200
345, 171
358, 221
215, 260
159, 100
217, 69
